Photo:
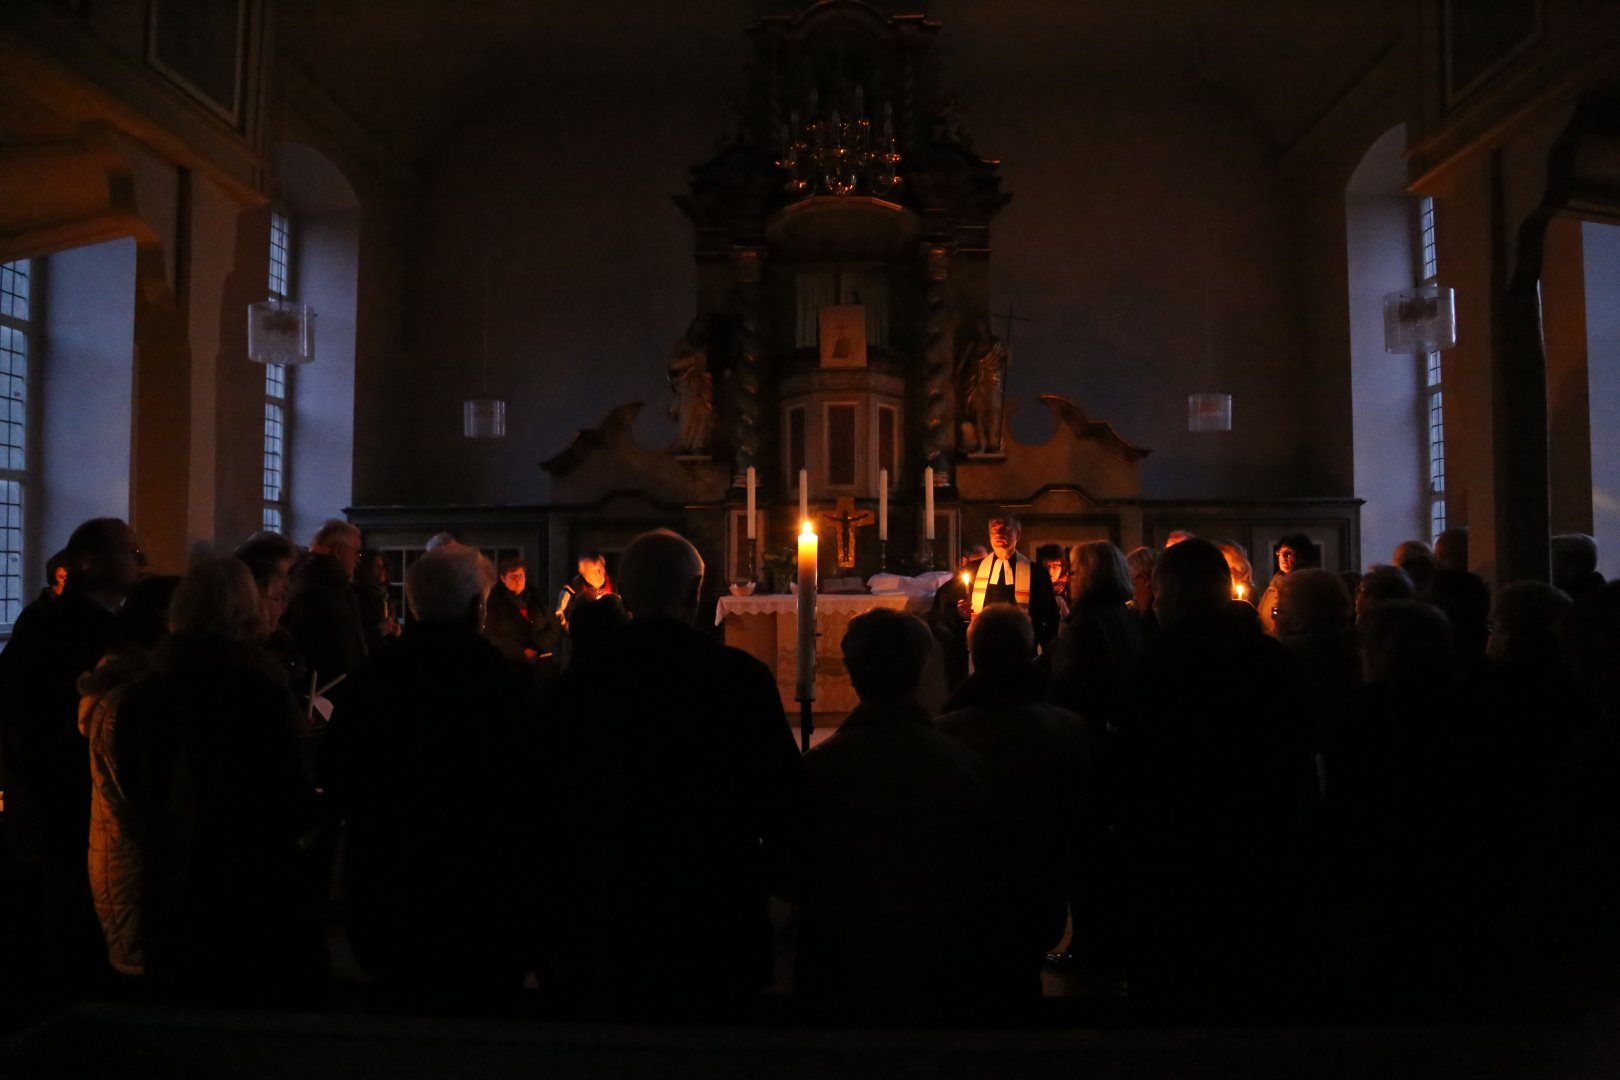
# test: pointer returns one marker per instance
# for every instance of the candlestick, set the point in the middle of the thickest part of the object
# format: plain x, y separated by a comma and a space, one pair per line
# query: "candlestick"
751, 526
805, 687
804, 494
883, 504
928, 503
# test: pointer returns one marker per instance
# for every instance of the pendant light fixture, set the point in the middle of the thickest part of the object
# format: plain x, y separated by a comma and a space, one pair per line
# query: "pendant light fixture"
1208, 411
484, 417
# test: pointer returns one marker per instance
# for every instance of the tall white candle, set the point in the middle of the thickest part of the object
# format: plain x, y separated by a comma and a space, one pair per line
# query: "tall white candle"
928, 502
751, 502
805, 686
804, 494
883, 504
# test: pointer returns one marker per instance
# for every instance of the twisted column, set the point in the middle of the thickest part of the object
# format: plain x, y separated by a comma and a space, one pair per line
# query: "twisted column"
938, 363
747, 376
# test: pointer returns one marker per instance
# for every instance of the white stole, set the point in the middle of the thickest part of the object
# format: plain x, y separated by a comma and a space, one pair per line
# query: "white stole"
987, 566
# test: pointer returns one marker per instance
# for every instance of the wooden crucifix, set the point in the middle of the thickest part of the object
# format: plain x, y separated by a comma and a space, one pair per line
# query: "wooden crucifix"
847, 519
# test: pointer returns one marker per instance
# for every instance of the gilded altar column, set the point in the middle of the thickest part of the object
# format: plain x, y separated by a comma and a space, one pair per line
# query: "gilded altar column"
749, 263
939, 376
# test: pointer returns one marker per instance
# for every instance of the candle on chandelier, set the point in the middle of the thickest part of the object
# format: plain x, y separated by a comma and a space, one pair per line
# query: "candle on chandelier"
751, 526
928, 502
805, 686
883, 504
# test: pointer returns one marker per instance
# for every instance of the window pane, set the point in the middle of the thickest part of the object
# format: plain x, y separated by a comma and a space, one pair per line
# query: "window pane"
272, 519
278, 254
11, 551
14, 289
275, 381
13, 398
272, 452
1426, 224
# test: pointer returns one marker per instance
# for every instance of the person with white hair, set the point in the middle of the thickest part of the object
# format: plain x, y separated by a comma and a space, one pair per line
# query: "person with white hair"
428, 767
672, 785
323, 612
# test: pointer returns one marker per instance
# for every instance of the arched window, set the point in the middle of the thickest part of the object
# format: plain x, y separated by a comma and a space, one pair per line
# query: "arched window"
277, 385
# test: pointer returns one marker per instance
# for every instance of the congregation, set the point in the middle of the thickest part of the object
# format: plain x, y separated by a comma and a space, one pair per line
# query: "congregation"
1393, 796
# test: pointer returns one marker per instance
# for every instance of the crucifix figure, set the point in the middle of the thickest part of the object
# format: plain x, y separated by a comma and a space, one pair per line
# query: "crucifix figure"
848, 519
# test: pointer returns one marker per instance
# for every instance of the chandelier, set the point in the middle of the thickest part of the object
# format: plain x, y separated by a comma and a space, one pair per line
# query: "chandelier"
837, 153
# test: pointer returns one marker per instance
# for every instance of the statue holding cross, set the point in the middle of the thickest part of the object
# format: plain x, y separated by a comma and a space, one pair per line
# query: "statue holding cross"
847, 519
983, 373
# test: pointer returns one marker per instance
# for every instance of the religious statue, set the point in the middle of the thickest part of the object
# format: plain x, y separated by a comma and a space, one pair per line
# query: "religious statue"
690, 379
983, 372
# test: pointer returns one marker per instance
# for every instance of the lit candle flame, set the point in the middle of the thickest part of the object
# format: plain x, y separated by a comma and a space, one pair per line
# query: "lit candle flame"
1240, 591
804, 528
967, 578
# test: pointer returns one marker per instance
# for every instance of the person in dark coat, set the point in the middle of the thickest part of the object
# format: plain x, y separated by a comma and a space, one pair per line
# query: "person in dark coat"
428, 768
1100, 637
207, 754
518, 621
1217, 799
1035, 760
323, 613
892, 916
44, 768
671, 788
1100, 640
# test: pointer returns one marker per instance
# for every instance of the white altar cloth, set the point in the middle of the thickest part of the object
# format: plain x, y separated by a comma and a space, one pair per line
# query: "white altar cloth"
767, 627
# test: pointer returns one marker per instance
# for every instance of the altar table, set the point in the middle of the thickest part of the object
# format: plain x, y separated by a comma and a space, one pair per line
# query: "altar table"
767, 627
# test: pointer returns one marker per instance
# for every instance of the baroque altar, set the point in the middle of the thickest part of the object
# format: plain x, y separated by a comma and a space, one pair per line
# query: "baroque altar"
843, 345
844, 332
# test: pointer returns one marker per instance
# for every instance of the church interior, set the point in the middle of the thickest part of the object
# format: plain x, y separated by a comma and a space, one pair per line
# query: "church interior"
576, 271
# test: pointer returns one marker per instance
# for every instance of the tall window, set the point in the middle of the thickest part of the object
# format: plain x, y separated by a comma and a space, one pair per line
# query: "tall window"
276, 386
18, 329
1434, 383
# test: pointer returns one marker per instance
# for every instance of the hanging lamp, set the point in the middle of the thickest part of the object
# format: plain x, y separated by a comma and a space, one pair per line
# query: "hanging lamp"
484, 417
